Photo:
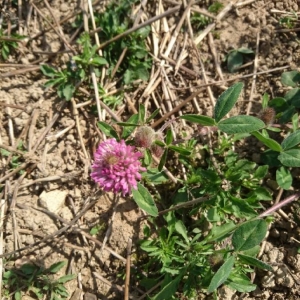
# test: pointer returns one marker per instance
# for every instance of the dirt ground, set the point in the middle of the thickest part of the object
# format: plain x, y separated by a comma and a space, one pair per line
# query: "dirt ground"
58, 166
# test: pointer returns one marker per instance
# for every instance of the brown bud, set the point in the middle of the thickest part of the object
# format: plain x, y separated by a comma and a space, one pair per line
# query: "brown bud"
144, 137
268, 115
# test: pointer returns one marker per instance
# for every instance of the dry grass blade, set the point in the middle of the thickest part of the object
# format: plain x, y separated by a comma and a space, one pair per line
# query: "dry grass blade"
131, 30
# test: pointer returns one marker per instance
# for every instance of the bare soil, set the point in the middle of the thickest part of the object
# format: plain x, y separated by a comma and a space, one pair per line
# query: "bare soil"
50, 130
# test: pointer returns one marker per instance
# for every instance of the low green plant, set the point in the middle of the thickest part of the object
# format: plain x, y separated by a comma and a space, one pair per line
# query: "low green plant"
76, 71
8, 44
210, 233
289, 21
236, 58
115, 20
38, 281
215, 7
15, 160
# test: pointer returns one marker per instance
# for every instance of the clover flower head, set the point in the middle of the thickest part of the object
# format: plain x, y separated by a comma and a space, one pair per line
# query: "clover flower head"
116, 166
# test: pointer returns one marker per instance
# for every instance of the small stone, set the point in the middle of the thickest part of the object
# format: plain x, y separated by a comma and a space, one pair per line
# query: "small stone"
64, 7
53, 201
89, 296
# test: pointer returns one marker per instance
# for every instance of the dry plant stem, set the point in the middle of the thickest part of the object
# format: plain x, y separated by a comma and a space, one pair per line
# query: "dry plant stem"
277, 206
263, 246
12, 105
150, 290
177, 108
49, 126
53, 235
183, 68
64, 177
244, 3
131, 30
288, 30
15, 171
76, 115
10, 125
58, 32
20, 71
34, 117
177, 29
215, 55
113, 115
209, 91
114, 286
16, 66
2, 216
130, 104
183, 205
11, 149
40, 235
113, 73
210, 27
254, 76
97, 242
110, 227
128, 265
167, 172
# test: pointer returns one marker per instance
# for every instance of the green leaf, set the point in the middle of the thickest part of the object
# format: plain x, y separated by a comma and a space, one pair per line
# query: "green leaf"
265, 100
295, 121
107, 130
290, 158
142, 73
245, 51
218, 232
153, 115
142, 113
180, 228
293, 97
284, 178
127, 76
221, 275
154, 176
18, 295
291, 140
56, 266
98, 61
270, 158
270, 143
144, 200
68, 91
240, 285
163, 160
66, 278
133, 120
290, 78
28, 269
48, 71
234, 61
203, 120
169, 137
254, 262
279, 104
261, 172
180, 150
168, 290
226, 101
287, 115
249, 235
241, 124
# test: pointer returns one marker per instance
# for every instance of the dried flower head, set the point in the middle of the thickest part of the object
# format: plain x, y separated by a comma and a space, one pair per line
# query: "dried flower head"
116, 167
144, 137
157, 150
268, 115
